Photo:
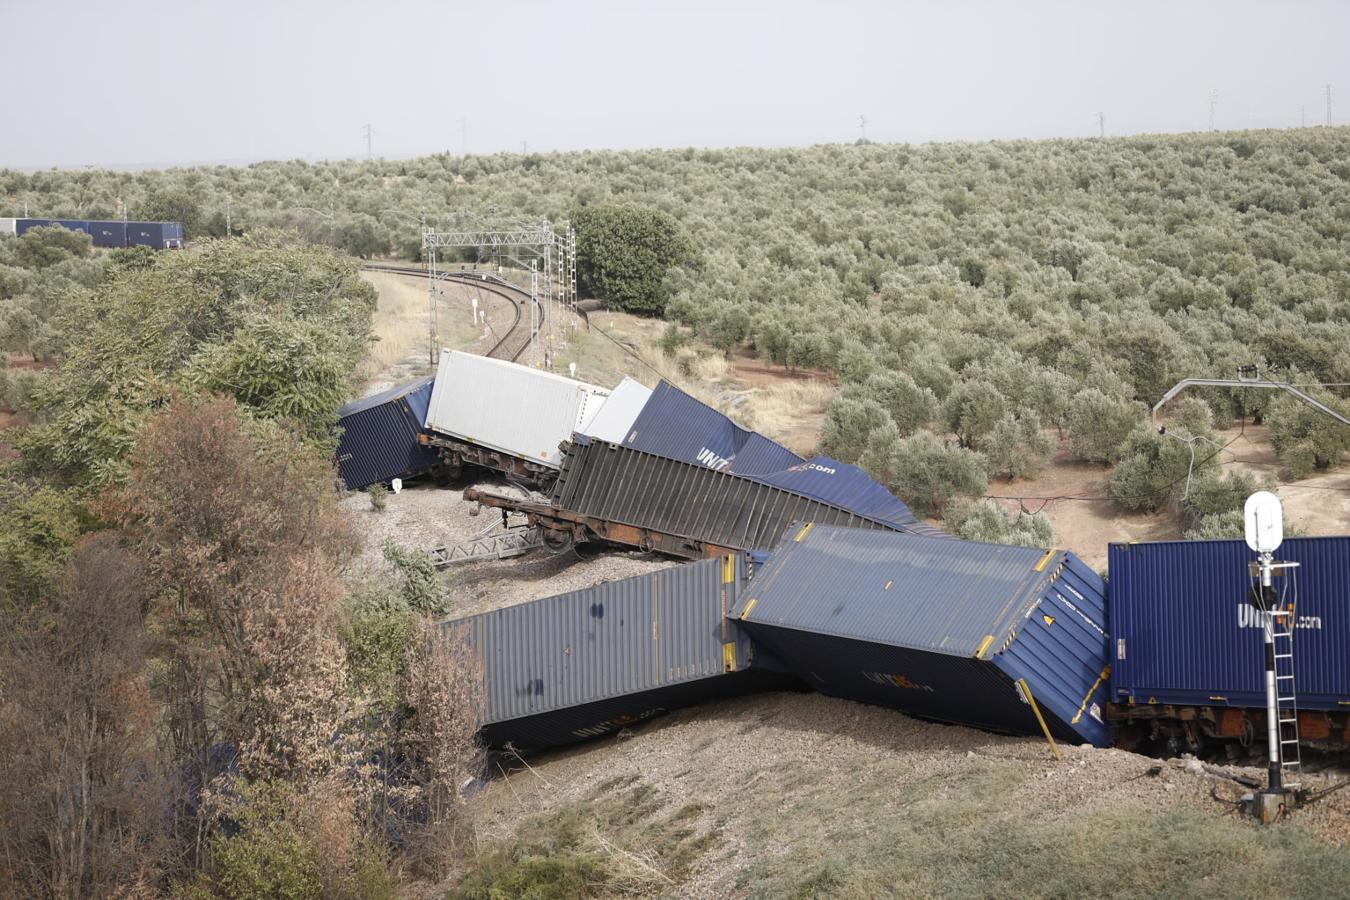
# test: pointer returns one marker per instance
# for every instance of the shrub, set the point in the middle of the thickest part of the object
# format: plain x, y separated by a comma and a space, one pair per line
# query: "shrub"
1306, 440
927, 473
1018, 447
985, 520
849, 423
379, 497
1156, 468
1211, 495
1099, 426
911, 407
973, 409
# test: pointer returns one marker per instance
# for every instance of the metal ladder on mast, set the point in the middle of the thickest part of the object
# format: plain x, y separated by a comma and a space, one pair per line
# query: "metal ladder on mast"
1286, 696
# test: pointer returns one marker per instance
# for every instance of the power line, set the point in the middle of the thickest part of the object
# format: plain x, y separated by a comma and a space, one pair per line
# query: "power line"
862, 128
1328, 105
369, 151
1101, 124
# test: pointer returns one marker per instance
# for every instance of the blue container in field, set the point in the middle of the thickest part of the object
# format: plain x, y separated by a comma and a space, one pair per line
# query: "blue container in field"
1183, 633
108, 234
160, 235
941, 628
23, 225
677, 426
846, 486
380, 434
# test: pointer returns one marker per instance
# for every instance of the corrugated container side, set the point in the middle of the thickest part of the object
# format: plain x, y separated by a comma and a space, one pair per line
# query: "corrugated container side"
145, 234
675, 425
81, 225
615, 418
620, 485
843, 485
1183, 633
108, 234
510, 408
584, 663
939, 627
22, 226
379, 439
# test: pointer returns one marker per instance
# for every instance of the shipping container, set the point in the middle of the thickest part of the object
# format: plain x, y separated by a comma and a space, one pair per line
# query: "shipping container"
1183, 632
675, 425
590, 662
509, 408
847, 487
8, 226
956, 631
380, 438
680, 507
160, 235
615, 419
22, 226
108, 234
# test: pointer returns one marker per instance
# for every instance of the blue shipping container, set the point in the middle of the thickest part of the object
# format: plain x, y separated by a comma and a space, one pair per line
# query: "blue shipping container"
380, 434
1183, 632
843, 485
940, 628
675, 425
108, 234
23, 225
160, 235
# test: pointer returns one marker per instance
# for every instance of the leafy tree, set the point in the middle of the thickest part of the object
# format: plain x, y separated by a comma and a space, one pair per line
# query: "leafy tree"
929, 473
986, 521
848, 424
911, 407
624, 252
1157, 467
1100, 425
39, 248
1306, 440
1018, 447
973, 409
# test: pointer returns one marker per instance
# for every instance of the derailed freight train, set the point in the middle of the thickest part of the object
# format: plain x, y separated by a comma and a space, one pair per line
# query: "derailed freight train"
1008, 639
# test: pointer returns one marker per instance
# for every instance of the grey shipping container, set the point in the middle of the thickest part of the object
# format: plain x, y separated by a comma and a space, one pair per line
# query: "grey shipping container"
974, 634
381, 435
8, 226
588, 663
695, 510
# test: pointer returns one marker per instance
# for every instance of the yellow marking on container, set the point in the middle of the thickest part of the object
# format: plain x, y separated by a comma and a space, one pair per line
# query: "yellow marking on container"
801, 534
1343, 702
1045, 729
984, 645
1049, 620
749, 606
1045, 560
1082, 706
1218, 698
888, 585
728, 569
729, 657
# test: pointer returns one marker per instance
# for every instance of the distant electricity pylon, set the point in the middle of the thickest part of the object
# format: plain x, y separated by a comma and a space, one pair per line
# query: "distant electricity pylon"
1328, 106
369, 146
862, 128
1213, 104
1101, 124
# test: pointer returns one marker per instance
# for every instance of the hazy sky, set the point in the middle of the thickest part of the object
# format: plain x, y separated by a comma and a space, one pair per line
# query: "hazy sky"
94, 82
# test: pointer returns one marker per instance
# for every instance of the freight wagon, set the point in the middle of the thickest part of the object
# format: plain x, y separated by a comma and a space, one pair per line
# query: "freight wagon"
1187, 658
159, 235
591, 662
611, 493
505, 416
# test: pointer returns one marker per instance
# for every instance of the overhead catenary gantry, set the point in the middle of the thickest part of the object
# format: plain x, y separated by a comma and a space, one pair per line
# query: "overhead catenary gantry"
548, 256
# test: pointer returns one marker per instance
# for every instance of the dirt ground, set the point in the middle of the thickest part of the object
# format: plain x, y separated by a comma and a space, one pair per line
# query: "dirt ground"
776, 774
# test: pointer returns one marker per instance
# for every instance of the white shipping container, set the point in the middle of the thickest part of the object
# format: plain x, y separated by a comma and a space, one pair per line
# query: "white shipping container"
614, 420
7, 226
510, 408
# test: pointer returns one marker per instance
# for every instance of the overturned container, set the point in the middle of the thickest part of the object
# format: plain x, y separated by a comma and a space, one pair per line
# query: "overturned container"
995, 637
591, 662
506, 416
381, 436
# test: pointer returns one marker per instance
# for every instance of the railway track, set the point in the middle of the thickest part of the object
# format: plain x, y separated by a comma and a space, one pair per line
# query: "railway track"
517, 338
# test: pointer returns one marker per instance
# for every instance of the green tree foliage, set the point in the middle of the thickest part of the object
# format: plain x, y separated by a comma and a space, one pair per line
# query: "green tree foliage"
985, 520
624, 252
849, 423
1018, 447
1099, 426
38, 529
1157, 467
1306, 440
279, 326
1218, 499
927, 473
910, 406
39, 248
973, 409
